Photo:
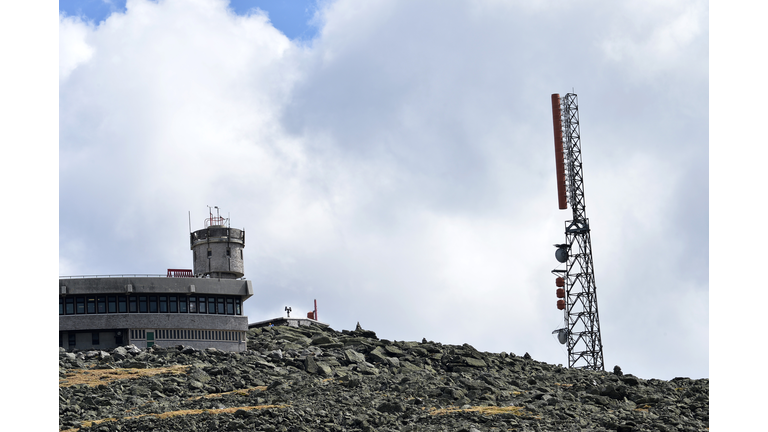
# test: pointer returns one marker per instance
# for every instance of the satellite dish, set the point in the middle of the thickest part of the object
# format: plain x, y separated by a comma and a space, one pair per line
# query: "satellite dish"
561, 254
562, 335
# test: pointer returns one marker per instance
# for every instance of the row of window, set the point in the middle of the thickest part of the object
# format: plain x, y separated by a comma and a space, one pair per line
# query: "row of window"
221, 305
72, 339
228, 253
174, 334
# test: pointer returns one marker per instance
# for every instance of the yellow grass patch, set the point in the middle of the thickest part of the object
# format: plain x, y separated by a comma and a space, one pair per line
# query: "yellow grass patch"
485, 410
178, 413
94, 377
241, 392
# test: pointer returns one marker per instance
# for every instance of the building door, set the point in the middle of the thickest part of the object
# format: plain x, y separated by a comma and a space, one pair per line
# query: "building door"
150, 338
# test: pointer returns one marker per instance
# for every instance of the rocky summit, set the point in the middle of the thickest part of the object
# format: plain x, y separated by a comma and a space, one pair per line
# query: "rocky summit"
318, 379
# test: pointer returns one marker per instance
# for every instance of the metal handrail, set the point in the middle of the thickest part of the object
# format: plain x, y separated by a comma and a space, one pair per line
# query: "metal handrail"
112, 276
129, 275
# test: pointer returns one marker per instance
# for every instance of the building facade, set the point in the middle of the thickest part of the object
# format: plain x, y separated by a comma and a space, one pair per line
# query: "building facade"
202, 308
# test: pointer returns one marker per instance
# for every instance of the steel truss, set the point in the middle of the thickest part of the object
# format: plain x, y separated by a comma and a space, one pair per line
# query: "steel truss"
585, 348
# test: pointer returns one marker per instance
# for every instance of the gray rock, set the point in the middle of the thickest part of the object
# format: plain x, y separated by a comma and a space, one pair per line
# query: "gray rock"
324, 369
471, 361
310, 365
329, 381
322, 340
378, 355
354, 356
390, 407
119, 353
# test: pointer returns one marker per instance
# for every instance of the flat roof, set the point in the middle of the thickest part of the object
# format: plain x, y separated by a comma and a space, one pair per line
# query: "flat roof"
151, 285
293, 322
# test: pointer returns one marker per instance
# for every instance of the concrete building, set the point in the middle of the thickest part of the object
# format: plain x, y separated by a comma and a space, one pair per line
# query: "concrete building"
202, 307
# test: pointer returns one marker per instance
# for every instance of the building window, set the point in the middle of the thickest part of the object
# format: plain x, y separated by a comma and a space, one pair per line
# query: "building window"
211, 305
122, 304
153, 304
95, 338
112, 304
81, 305
183, 304
237, 307
142, 304
201, 305
209, 254
230, 306
91, 305
172, 305
193, 304
102, 303
71, 340
61, 308
70, 302
229, 252
132, 305
163, 304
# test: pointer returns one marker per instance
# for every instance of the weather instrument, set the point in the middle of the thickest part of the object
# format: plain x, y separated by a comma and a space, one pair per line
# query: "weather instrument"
576, 290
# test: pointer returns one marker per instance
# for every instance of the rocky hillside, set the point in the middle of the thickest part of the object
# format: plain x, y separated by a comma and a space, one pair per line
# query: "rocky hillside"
315, 379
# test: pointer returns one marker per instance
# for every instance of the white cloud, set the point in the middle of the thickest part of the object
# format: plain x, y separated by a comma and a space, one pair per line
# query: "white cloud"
657, 37
73, 48
398, 168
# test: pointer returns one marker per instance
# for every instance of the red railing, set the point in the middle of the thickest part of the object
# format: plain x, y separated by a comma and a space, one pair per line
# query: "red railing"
215, 220
180, 273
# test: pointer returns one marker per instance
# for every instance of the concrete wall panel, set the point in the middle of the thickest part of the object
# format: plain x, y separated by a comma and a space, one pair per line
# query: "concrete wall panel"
146, 320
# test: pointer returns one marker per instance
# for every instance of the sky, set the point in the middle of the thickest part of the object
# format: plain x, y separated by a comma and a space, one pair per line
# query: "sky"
394, 161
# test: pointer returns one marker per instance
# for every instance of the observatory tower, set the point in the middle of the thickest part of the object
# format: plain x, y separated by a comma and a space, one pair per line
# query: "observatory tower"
576, 288
217, 249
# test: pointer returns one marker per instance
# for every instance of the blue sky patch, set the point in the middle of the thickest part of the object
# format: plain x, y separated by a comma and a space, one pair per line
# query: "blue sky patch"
290, 17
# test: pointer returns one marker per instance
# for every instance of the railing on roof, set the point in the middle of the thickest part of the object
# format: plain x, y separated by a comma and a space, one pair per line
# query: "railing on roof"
137, 275
180, 273
110, 276
216, 221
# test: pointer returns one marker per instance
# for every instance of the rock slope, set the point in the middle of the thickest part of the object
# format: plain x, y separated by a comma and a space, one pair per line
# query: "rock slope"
318, 379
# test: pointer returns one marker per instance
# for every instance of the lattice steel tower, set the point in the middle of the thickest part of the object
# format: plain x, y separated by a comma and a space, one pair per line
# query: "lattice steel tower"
576, 284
